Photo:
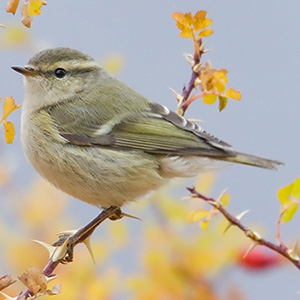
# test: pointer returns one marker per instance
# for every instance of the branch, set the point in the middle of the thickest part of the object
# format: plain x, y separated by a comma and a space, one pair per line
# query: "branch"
281, 249
62, 250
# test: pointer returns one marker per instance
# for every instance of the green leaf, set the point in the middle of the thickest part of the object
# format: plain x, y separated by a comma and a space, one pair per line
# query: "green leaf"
222, 103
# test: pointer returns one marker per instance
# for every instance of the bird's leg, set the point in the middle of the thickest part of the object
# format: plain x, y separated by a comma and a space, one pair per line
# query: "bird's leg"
113, 213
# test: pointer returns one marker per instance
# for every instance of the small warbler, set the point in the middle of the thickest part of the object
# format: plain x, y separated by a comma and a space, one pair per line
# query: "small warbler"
100, 141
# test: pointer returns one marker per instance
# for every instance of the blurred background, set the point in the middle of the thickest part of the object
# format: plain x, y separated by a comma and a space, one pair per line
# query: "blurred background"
164, 256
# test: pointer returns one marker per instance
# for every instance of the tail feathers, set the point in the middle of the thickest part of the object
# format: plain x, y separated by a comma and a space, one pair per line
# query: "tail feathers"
252, 160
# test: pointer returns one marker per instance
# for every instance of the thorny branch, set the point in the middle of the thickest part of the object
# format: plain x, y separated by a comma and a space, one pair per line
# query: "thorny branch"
186, 91
281, 249
71, 240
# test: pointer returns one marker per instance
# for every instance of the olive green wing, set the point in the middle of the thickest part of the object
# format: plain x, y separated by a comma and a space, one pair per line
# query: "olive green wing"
155, 130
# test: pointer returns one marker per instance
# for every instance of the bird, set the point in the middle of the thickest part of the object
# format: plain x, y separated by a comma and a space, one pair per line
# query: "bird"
100, 141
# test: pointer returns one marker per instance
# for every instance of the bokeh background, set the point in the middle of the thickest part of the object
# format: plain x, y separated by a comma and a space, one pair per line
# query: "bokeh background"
257, 41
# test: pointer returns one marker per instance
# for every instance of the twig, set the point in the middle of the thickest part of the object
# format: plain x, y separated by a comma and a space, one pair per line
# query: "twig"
256, 238
186, 91
79, 236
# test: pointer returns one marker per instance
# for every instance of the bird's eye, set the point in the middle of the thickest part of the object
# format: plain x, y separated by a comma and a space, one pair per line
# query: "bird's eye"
60, 73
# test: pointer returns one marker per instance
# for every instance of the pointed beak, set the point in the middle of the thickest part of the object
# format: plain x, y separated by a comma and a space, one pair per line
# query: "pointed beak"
26, 71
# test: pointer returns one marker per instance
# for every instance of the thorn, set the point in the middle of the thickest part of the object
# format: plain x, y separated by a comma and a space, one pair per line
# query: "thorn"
253, 235
249, 250
51, 249
221, 195
197, 81
87, 243
227, 227
196, 68
293, 253
239, 217
201, 48
189, 58
207, 50
243, 213
186, 198
131, 216
55, 253
48, 279
178, 96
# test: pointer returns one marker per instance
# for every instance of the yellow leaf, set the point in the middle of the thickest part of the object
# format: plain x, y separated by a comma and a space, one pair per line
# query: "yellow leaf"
225, 199
205, 32
12, 5
220, 80
209, 98
222, 103
289, 212
34, 7
187, 33
296, 189
9, 132
233, 94
9, 106
198, 215
204, 225
284, 193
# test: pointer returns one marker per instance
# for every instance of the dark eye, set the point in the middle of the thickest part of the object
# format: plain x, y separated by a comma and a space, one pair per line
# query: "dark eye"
60, 73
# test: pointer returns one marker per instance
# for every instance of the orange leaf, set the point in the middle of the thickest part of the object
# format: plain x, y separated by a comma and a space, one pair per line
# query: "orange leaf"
233, 94
12, 5
200, 16
179, 17
9, 106
200, 20
210, 98
9, 132
184, 23
26, 18
6, 281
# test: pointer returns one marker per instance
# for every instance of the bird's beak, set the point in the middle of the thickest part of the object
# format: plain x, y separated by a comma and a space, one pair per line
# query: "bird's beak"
26, 71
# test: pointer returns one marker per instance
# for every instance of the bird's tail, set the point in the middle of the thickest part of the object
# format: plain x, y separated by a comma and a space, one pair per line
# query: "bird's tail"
252, 160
